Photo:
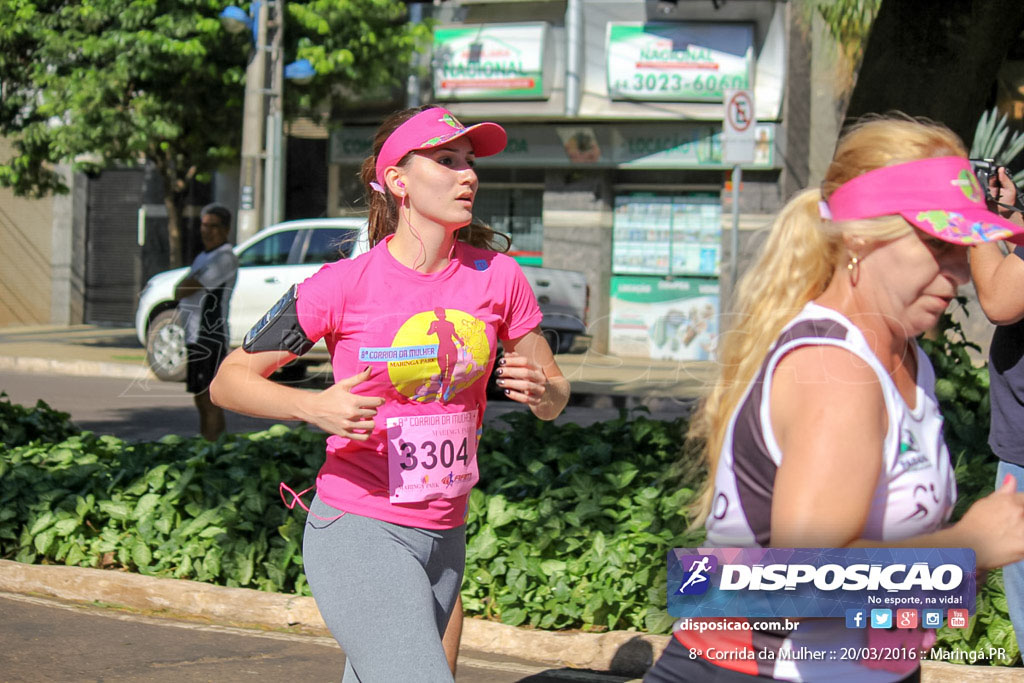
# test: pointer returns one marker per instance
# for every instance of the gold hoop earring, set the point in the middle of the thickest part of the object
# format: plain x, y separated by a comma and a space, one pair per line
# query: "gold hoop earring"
854, 269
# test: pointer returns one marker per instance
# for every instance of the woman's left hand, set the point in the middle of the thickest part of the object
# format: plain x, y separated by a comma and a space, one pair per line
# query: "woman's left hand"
521, 380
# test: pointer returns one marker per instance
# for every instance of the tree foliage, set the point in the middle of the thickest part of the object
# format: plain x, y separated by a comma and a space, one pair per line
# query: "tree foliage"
936, 59
99, 82
849, 23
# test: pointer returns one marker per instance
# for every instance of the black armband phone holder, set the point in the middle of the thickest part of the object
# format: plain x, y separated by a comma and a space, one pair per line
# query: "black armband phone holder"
279, 329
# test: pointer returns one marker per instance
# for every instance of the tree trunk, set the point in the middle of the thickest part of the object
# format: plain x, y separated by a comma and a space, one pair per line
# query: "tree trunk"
936, 59
174, 241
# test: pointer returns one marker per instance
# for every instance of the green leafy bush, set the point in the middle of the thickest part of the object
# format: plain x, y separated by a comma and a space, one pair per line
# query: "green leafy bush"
20, 425
962, 391
570, 528
572, 525
177, 508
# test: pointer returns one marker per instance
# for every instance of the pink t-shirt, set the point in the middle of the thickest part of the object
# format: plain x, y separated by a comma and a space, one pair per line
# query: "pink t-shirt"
429, 340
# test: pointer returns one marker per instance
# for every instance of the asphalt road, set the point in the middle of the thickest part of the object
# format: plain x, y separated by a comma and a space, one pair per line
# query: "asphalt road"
49, 640
141, 410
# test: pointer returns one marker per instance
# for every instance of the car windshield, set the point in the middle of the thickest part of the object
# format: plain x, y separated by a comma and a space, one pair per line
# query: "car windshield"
329, 244
271, 251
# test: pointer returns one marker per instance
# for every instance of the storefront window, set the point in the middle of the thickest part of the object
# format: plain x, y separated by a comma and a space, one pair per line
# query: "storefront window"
517, 212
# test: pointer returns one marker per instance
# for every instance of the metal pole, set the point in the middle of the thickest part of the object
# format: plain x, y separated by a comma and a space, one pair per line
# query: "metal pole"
734, 247
412, 84
251, 178
273, 210
573, 56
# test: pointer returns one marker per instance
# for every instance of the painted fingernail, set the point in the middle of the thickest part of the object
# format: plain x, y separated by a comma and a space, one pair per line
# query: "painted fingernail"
508, 391
500, 382
501, 362
499, 371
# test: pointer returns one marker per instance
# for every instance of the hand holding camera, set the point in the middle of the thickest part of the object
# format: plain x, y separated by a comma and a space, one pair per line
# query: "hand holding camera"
1000, 192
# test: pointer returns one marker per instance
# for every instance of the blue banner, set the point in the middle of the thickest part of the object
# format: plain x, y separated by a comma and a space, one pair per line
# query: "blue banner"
391, 354
817, 582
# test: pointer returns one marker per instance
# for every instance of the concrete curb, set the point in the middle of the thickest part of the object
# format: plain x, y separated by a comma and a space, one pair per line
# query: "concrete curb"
77, 368
621, 652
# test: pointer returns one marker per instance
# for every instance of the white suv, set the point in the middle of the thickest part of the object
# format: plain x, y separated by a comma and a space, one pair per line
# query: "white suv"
269, 263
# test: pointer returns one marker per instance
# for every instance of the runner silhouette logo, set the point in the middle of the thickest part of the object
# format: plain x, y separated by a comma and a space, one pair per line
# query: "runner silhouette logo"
697, 578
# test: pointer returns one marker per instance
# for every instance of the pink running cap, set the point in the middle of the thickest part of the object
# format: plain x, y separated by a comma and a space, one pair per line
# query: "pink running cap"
435, 127
939, 196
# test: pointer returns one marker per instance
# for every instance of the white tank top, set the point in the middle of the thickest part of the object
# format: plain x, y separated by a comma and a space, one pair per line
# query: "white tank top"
915, 493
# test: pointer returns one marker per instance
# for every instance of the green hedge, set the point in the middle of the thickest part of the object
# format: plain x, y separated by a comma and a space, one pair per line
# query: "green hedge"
178, 508
962, 390
572, 525
570, 528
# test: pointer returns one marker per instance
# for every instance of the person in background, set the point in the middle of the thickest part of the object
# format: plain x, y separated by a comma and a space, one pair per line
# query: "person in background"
412, 327
999, 281
204, 295
823, 429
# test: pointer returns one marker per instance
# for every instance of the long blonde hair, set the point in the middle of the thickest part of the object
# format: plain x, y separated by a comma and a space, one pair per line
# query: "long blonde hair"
383, 218
797, 262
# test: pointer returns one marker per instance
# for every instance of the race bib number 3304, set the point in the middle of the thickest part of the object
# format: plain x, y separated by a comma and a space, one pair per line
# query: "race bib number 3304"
431, 456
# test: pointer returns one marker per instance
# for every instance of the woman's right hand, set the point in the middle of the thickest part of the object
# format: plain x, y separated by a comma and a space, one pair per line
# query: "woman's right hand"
339, 411
1003, 190
994, 527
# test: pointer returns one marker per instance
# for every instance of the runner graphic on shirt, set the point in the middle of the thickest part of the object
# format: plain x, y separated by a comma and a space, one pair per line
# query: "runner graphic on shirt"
447, 352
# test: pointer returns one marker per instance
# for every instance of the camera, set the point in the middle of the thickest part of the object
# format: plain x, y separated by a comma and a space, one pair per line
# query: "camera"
985, 169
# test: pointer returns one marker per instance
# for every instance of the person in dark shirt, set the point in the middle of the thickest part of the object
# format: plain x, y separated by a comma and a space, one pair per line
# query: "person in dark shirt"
999, 280
204, 295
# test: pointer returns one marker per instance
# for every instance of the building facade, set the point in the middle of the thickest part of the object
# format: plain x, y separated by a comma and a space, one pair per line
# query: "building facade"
614, 165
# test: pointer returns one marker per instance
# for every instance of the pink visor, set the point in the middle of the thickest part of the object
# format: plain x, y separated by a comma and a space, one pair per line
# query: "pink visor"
940, 196
435, 127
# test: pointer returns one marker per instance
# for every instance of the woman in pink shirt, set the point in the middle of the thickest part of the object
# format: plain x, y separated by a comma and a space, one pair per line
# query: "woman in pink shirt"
412, 327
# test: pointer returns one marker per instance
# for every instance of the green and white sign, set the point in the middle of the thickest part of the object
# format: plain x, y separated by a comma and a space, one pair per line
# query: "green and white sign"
490, 62
596, 145
678, 61
653, 317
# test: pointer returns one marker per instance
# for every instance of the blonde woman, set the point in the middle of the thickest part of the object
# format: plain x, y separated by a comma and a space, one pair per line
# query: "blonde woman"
823, 429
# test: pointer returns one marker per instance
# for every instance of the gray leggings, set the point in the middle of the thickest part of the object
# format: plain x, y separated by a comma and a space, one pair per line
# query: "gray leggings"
385, 591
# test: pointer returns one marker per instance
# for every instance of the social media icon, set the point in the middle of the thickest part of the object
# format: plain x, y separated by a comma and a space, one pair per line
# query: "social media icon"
856, 618
881, 618
957, 618
931, 618
906, 618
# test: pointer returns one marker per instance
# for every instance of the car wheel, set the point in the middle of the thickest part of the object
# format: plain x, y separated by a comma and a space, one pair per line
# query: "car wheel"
165, 347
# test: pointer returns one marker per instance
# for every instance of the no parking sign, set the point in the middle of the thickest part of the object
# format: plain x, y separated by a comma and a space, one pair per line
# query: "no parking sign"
738, 123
